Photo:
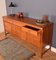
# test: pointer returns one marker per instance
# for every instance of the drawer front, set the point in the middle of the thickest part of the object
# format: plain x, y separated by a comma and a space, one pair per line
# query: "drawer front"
8, 20
35, 33
18, 23
25, 29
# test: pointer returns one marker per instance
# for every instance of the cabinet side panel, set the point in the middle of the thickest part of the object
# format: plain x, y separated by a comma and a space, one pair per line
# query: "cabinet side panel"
47, 35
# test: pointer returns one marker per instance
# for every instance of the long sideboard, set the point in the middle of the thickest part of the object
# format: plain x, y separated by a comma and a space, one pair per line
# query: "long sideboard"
26, 29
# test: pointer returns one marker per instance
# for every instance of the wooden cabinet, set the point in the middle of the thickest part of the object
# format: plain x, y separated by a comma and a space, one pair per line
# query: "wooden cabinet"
27, 30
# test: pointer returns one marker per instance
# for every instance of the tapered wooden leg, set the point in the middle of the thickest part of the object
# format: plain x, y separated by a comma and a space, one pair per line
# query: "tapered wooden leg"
41, 52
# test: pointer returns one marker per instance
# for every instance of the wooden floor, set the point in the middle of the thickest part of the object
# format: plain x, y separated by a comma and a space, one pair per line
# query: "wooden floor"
47, 56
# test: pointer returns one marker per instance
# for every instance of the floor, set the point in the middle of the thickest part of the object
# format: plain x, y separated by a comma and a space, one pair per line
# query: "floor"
47, 56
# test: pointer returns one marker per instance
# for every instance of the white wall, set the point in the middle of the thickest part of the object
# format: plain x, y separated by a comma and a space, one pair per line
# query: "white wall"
36, 8
2, 13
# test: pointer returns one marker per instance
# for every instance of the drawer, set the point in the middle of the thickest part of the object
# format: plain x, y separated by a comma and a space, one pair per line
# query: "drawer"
35, 33
25, 29
31, 29
8, 20
18, 23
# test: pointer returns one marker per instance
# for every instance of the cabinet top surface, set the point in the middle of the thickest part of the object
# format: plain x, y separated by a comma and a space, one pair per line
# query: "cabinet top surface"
27, 20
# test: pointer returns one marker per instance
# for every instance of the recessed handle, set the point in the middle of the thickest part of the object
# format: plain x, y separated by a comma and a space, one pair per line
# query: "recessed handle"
30, 27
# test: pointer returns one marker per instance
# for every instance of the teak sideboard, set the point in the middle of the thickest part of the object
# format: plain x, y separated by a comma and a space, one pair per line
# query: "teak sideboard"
26, 29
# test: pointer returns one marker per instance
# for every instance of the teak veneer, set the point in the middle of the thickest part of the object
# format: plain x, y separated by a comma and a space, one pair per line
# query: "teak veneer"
26, 29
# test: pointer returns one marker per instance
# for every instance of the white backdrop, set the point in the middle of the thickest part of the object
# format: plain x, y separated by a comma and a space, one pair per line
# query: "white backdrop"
2, 13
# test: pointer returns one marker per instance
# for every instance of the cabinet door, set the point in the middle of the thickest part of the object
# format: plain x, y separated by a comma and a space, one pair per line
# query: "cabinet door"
35, 38
29, 37
23, 33
7, 26
36, 41
16, 31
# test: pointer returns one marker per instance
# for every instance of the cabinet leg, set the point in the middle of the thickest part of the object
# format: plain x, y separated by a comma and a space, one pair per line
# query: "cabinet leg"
50, 48
41, 53
6, 33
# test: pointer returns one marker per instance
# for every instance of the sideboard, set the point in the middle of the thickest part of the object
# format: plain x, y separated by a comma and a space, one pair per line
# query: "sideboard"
27, 30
